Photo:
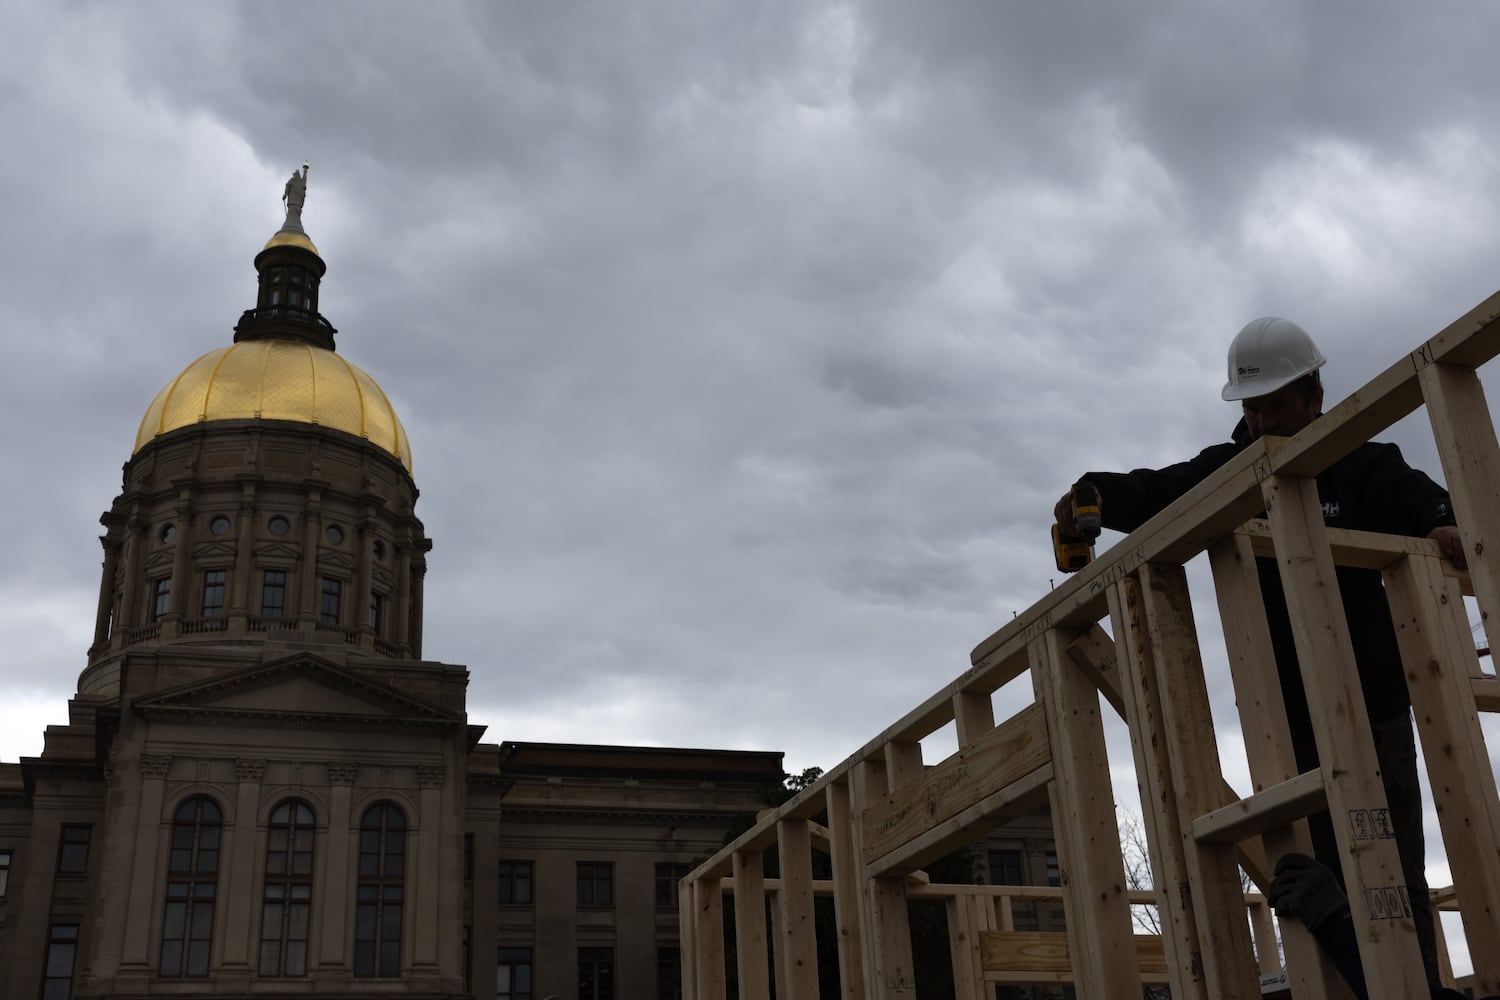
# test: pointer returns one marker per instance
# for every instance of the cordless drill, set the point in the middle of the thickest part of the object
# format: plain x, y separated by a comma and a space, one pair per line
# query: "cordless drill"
1076, 551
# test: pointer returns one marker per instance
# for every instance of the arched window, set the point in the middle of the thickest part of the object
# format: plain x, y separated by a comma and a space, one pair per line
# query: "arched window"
382, 874
286, 913
192, 881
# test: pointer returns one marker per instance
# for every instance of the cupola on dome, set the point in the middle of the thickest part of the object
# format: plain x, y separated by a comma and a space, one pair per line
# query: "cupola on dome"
282, 364
277, 380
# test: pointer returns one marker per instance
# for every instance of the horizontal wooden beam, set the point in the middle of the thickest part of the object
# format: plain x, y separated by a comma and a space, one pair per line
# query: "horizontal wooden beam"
1268, 810
1016, 955
1019, 797
1007, 753
1486, 693
1360, 549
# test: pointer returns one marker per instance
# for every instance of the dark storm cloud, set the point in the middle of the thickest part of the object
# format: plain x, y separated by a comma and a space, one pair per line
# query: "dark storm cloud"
744, 348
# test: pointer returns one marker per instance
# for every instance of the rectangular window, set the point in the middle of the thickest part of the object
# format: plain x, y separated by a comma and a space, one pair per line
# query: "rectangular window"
513, 974
668, 874
515, 882
73, 850
273, 594
328, 609
161, 598
1054, 872
213, 593
377, 602
1005, 868
4, 872
57, 976
668, 973
468, 857
596, 974
596, 883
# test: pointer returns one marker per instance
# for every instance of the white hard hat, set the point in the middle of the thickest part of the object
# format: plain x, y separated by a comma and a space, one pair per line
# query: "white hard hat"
1267, 354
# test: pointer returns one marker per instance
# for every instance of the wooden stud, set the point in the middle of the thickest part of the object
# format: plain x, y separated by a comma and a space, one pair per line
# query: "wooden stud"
796, 945
687, 922
751, 954
1083, 819
708, 932
973, 716
887, 934
845, 891
1372, 870
1140, 700
1268, 740
963, 947
903, 762
1470, 455
1432, 629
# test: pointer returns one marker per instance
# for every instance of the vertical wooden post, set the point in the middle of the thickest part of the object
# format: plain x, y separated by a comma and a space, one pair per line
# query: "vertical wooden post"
973, 716
845, 891
903, 763
687, 921
708, 930
963, 946
1356, 799
751, 956
887, 944
1470, 455
1268, 741
797, 947
1432, 629
1142, 698
1188, 728
1083, 817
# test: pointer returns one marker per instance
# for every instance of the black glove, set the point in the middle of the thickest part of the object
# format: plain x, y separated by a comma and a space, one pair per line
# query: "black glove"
1307, 891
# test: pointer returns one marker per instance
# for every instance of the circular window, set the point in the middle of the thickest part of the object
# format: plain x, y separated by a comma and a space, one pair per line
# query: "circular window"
278, 525
219, 525
168, 532
334, 534
379, 549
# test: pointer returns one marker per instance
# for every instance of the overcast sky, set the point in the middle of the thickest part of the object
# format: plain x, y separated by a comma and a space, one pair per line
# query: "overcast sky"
743, 347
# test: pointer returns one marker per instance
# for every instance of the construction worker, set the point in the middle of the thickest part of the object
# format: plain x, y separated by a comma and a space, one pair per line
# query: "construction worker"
1273, 374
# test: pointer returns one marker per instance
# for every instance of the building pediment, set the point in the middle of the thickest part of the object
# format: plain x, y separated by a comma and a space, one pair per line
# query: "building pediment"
301, 691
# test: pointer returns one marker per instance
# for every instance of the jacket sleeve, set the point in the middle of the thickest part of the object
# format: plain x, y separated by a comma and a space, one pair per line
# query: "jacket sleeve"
1409, 501
1128, 500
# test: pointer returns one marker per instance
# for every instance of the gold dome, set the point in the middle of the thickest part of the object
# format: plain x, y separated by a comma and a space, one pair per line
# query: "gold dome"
277, 380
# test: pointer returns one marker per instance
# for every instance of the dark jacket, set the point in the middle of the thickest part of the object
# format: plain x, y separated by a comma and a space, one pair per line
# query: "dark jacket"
1370, 489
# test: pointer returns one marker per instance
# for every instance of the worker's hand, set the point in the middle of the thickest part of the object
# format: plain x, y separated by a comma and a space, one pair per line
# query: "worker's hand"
1451, 544
1307, 891
1063, 515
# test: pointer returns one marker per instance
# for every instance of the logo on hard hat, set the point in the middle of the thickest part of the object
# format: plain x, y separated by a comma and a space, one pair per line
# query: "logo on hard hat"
1244, 371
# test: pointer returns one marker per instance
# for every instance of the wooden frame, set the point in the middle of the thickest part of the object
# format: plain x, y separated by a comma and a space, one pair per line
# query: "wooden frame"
889, 812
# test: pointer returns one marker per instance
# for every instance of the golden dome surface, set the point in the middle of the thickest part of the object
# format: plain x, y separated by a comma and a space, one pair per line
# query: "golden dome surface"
290, 238
277, 380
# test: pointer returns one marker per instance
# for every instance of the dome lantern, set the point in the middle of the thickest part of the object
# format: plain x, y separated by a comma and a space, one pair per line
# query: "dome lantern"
290, 268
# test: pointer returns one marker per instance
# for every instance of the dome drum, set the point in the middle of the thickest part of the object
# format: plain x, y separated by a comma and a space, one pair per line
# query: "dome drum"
254, 532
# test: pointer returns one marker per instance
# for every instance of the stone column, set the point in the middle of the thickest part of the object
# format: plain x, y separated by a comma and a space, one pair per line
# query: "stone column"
182, 562
363, 572
238, 893
423, 881
419, 577
107, 587
311, 592
403, 591
134, 586
244, 563
145, 883
330, 952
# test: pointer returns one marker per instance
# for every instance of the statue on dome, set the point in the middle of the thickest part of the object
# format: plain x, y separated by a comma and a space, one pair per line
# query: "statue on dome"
294, 194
